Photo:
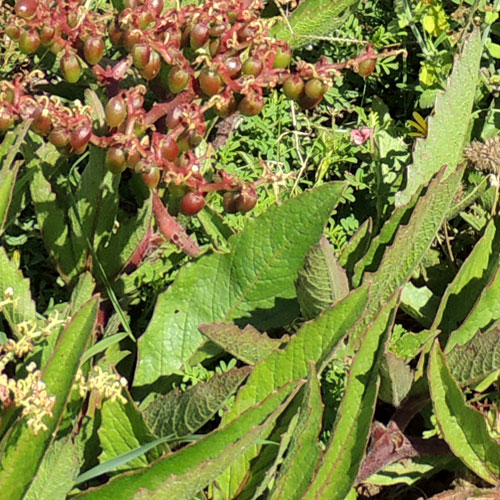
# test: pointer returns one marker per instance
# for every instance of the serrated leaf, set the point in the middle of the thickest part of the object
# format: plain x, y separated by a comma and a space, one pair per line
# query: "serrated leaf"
297, 469
310, 20
248, 344
57, 473
23, 308
463, 428
22, 451
201, 462
396, 378
256, 280
410, 245
122, 430
477, 359
447, 128
472, 278
419, 303
313, 342
338, 467
216, 229
178, 414
321, 282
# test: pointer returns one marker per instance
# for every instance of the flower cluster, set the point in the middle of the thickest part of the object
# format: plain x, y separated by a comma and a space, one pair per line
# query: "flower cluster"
104, 384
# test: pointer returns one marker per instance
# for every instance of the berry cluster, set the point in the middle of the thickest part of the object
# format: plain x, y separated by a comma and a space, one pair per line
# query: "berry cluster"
171, 69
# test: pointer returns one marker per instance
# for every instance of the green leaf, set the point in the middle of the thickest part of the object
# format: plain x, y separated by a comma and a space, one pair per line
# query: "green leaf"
477, 359
396, 379
449, 125
303, 453
193, 467
178, 414
22, 450
419, 303
254, 283
218, 232
51, 211
315, 341
321, 282
122, 430
371, 259
115, 253
463, 428
23, 308
8, 149
472, 278
357, 246
310, 20
411, 243
57, 472
339, 465
247, 344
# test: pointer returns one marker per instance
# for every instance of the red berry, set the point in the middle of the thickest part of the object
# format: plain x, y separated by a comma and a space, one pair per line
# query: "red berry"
42, 122
141, 53
71, 68
6, 119
116, 111
366, 68
156, 6
226, 106
233, 66
133, 157
29, 42
80, 137
293, 87
93, 50
152, 68
198, 36
177, 79
251, 105
59, 137
131, 38
174, 117
26, 8
169, 148
116, 160
210, 82
191, 203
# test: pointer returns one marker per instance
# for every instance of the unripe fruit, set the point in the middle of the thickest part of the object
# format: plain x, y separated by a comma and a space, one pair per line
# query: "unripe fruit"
156, 6
306, 102
210, 82
177, 79
213, 46
116, 160
42, 122
252, 66
189, 139
145, 19
93, 50
216, 29
251, 105
13, 32
59, 137
152, 68
115, 35
133, 157
152, 177
282, 58
131, 38
26, 8
315, 88
116, 111
226, 106
71, 68
29, 42
80, 137
191, 203
198, 36
169, 148
293, 87
366, 68
141, 53
46, 34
